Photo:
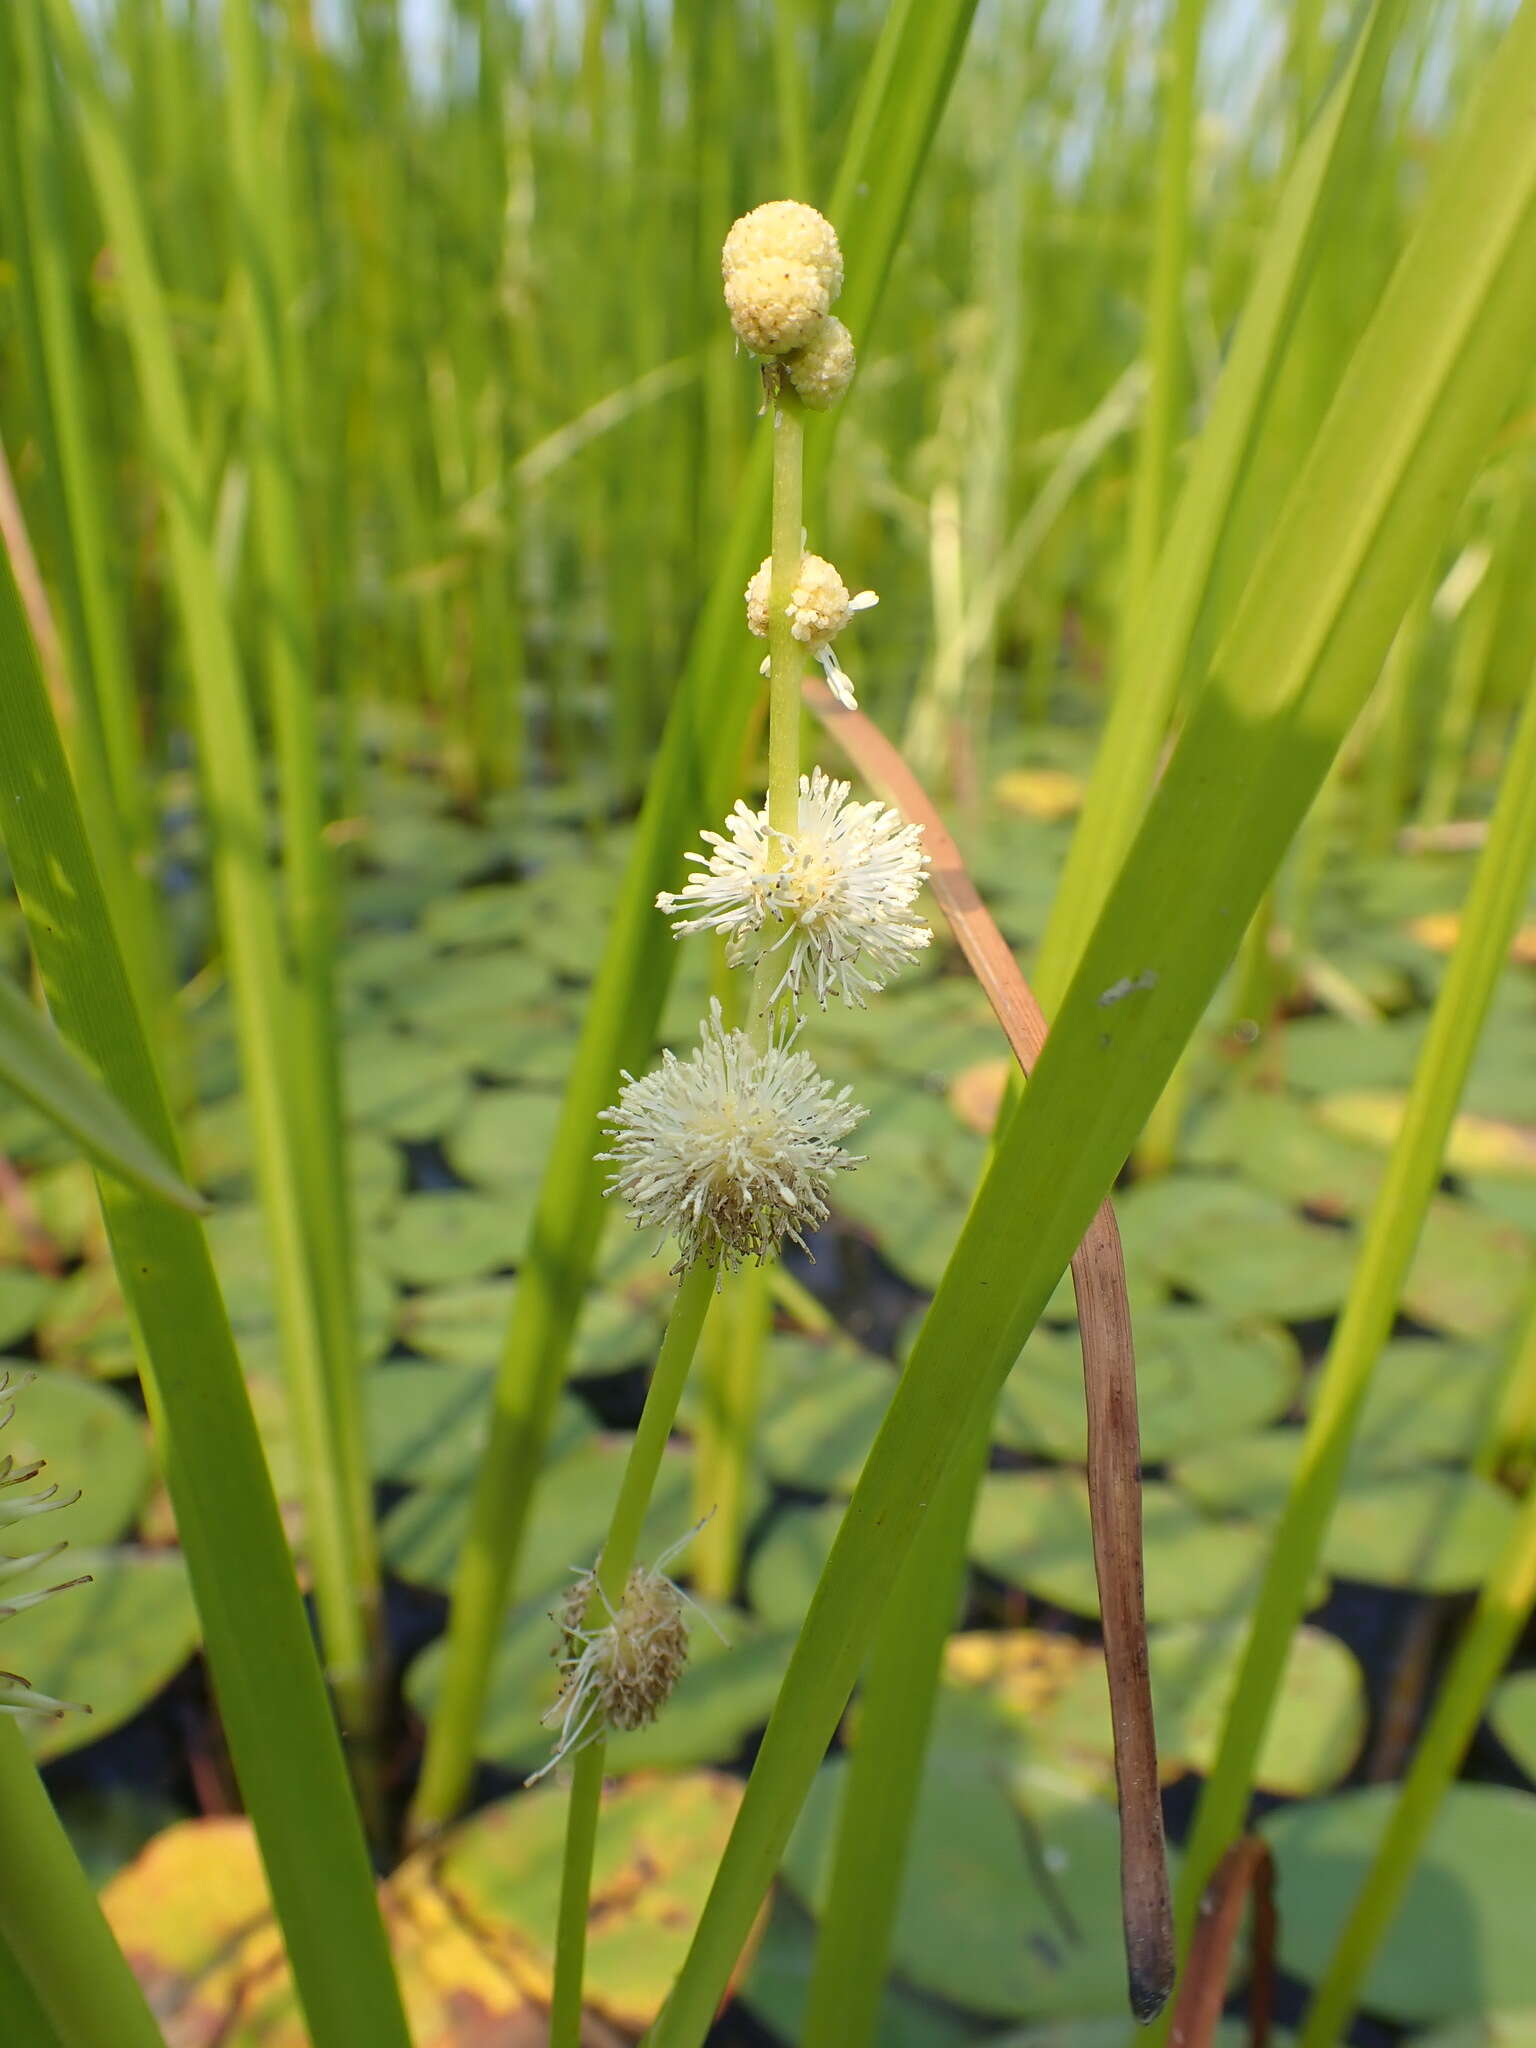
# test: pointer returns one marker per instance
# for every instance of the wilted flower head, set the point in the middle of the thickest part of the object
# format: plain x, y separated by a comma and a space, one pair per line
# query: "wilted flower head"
819, 607
840, 888
16, 1694
731, 1149
822, 368
621, 1674
782, 268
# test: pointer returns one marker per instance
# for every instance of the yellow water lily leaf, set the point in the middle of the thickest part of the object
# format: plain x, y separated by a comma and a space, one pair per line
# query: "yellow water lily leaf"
976, 1093
1440, 929
1047, 793
1478, 1144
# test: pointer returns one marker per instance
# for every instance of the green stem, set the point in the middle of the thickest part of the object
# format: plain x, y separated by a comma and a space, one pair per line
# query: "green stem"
576, 1893
725, 1436
1503, 1608
786, 656
1492, 909
694, 1293
51, 1921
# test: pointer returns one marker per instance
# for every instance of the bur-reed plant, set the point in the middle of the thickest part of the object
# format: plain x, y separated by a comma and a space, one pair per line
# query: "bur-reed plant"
1440, 363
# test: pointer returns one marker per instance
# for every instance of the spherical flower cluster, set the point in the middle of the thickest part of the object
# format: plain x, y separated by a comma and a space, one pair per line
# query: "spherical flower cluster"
622, 1674
16, 1694
822, 369
839, 889
782, 268
818, 609
730, 1150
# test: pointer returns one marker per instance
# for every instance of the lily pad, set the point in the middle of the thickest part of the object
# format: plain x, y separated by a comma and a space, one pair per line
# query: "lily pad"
404, 1087
726, 1690
450, 1234
824, 1403
1032, 1530
111, 1645
423, 1535
779, 1980
1459, 1942
1003, 1912
1199, 1377
1427, 1401
486, 916
1471, 1273
1436, 1532
785, 1566
24, 1297
503, 1139
62, 1204
659, 1841
463, 1323
1477, 1144
428, 1424
469, 985
1314, 1733
1512, 1710
1251, 1257
92, 1443
85, 1324
1277, 1145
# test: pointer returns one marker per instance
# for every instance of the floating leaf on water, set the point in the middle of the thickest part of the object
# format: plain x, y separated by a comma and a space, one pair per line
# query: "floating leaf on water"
785, 1566
1471, 1273
450, 1234
1512, 1711
111, 1645
24, 1298
503, 1138
1054, 1948
1432, 1531
91, 1440
427, 1424
404, 1087
1274, 1142
1032, 1530
1459, 1942
1477, 1144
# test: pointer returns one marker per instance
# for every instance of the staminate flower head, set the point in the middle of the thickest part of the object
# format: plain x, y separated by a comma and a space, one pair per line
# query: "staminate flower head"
819, 607
621, 1674
16, 1694
822, 368
782, 269
839, 889
732, 1149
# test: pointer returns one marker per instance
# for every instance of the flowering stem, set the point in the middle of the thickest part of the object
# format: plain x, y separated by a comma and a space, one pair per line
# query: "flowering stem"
613, 1568
51, 1922
785, 656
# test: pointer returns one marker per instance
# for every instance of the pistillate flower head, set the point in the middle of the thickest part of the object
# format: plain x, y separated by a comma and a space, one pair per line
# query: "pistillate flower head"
822, 368
16, 1694
731, 1149
782, 268
621, 1674
819, 607
839, 889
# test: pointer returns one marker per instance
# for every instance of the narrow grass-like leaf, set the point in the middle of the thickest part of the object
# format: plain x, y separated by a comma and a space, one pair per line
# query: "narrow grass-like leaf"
1488, 921
1162, 640
346, 1578
51, 1922
1441, 362
276, 1714
691, 782
37, 1063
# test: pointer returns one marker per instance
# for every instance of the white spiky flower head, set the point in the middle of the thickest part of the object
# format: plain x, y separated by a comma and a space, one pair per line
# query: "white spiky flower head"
833, 898
822, 368
782, 268
818, 609
732, 1149
17, 1696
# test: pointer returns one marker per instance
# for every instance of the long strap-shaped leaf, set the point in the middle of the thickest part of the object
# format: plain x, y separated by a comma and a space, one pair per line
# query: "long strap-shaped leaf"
276, 1714
1445, 354
38, 1064
690, 784
1160, 641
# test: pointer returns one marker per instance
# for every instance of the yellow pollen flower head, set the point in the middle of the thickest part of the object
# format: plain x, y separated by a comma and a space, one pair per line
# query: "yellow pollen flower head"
782, 269
822, 368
